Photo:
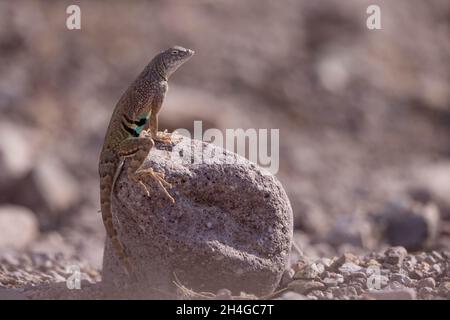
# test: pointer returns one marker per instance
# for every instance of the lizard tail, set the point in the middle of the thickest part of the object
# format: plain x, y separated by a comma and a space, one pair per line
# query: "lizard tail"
106, 186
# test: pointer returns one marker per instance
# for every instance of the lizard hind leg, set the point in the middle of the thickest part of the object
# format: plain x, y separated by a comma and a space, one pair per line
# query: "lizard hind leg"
159, 179
138, 148
141, 175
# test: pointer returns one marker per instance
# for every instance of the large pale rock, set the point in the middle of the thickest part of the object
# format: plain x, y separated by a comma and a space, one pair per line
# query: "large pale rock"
18, 227
231, 225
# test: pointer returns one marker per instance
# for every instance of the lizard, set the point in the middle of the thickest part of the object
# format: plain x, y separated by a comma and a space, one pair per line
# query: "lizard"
131, 133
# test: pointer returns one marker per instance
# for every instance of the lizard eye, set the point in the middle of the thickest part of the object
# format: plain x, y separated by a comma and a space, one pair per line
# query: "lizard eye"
174, 52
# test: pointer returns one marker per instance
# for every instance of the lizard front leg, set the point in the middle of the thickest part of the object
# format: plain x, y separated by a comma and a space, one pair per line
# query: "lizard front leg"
138, 148
164, 137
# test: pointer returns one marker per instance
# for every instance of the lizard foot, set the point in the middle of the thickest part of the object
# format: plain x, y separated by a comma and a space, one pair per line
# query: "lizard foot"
143, 175
164, 137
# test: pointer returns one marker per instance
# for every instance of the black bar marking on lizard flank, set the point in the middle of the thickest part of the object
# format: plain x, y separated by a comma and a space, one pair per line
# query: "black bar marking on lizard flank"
130, 130
139, 122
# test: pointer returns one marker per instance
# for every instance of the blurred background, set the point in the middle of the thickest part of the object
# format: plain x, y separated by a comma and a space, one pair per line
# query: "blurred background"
364, 115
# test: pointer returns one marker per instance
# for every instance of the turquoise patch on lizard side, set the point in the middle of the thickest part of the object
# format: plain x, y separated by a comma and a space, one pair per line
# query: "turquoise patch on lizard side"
139, 129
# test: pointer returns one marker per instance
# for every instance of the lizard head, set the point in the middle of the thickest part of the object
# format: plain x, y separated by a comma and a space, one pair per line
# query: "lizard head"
173, 58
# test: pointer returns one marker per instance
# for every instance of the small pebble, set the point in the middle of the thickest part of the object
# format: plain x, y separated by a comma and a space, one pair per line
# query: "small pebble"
437, 268
309, 271
430, 259
395, 255
351, 291
403, 279
305, 286
401, 294
329, 282
349, 267
359, 275
425, 291
223, 294
287, 277
437, 256
346, 257
416, 274
427, 282
291, 295
444, 289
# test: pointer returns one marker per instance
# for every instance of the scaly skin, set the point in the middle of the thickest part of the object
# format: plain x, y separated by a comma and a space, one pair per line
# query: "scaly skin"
127, 136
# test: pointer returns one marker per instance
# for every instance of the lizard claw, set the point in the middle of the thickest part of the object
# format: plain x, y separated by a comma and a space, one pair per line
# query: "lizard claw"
164, 137
144, 187
159, 179
145, 134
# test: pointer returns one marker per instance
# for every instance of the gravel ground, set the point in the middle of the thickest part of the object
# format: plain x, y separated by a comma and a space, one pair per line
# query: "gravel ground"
393, 274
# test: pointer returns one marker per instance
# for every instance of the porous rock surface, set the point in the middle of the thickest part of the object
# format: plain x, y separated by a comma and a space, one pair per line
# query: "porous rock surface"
230, 227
